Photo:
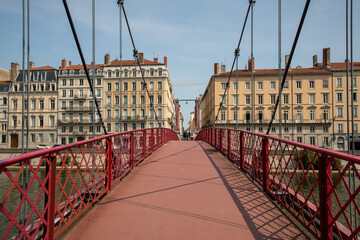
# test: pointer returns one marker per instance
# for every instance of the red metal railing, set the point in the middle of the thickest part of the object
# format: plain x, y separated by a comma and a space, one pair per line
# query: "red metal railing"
311, 183
42, 193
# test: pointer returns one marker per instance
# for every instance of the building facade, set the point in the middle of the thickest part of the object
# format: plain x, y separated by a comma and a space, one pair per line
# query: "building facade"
42, 104
309, 105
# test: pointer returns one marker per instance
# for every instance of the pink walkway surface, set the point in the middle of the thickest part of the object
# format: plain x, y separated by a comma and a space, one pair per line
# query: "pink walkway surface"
185, 190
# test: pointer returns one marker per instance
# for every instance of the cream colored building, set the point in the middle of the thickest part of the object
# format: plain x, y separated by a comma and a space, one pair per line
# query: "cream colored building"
310, 102
129, 100
42, 107
76, 103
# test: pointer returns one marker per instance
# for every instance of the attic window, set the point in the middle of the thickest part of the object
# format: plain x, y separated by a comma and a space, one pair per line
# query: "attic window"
64, 72
72, 72
35, 76
82, 71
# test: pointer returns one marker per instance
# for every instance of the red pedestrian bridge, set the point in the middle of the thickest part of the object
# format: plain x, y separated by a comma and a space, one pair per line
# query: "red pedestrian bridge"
146, 184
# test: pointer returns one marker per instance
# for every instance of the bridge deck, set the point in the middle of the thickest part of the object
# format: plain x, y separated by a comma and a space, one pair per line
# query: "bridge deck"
185, 190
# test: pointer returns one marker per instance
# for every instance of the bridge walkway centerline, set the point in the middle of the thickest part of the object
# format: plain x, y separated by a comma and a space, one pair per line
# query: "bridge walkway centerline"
186, 190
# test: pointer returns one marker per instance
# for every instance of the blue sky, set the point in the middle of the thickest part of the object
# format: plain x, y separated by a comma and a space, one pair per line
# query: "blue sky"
193, 34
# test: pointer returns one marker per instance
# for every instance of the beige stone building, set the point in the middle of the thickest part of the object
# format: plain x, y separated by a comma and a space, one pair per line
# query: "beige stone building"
129, 100
4, 110
42, 106
310, 102
76, 103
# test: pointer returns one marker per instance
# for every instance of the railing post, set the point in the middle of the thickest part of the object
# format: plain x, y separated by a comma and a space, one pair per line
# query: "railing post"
221, 138
152, 140
215, 136
229, 144
144, 143
132, 150
242, 151
265, 164
325, 197
51, 198
109, 163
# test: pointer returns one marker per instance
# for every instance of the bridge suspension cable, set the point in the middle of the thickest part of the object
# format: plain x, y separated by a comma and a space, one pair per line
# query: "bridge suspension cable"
233, 64
136, 56
288, 63
84, 63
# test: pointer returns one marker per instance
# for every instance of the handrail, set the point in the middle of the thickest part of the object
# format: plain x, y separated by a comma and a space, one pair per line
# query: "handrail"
309, 182
64, 182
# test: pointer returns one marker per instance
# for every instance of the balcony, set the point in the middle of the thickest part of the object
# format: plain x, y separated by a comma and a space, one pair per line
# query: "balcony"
80, 97
76, 109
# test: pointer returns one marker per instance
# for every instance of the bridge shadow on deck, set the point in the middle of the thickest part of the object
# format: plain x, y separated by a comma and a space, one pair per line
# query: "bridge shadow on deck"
264, 219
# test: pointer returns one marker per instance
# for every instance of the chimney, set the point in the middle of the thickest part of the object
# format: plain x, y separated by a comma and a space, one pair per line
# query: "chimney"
107, 59
32, 64
165, 61
156, 60
223, 68
141, 58
216, 68
326, 58
287, 60
69, 63
63, 64
251, 64
14, 71
315, 60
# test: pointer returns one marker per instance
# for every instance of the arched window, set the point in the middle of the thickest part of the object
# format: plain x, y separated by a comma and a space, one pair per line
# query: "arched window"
340, 143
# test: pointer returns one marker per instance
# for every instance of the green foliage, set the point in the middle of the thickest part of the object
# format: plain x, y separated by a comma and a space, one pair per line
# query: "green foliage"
67, 161
309, 155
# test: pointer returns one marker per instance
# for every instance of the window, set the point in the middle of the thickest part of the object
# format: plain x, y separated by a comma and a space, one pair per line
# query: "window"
142, 85
286, 98
81, 117
159, 85
41, 104
355, 96
71, 129
299, 139
159, 113
235, 100
52, 104
286, 115
312, 98
356, 127
340, 128
260, 85
286, 84
247, 116
98, 81
134, 86
151, 85
354, 82
52, 121
272, 85
326, 129
63, 93
81, 82
151, 99
260, 99
133, 99
142, 99
298, 98
125, 86
260, 116
81, 93
312, 129
340, 112
109, 113
235, 114
71, 82
34, 87
272, 99
223, 86
63, 141
71, 117
117, 74
312, 140
247, 85
41, 121
298, 115
32, 119
116, 113
71, 104
117, 127
339, 82
98, 92
311, 84
339, 97
326, 114
71, 93
312, 114
298, 84
159, 99
325, 83
160, 72
235, 86
108, 99
325, 98
15, 104
41, 137
151, 72
125, 113
299, 129
109, 86
15, 122
81, 129
63, 105
71, 140
117, 86
222, 99
286, 129
117, 100
260, 129
247, 99
355, 112
223, 115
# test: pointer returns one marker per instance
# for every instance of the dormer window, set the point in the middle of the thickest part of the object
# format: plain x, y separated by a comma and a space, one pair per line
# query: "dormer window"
15, 88
82, 71
64, 72
43, 76
72, 72
98, 71
160, 72
126, 73
35, 76
109, 74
